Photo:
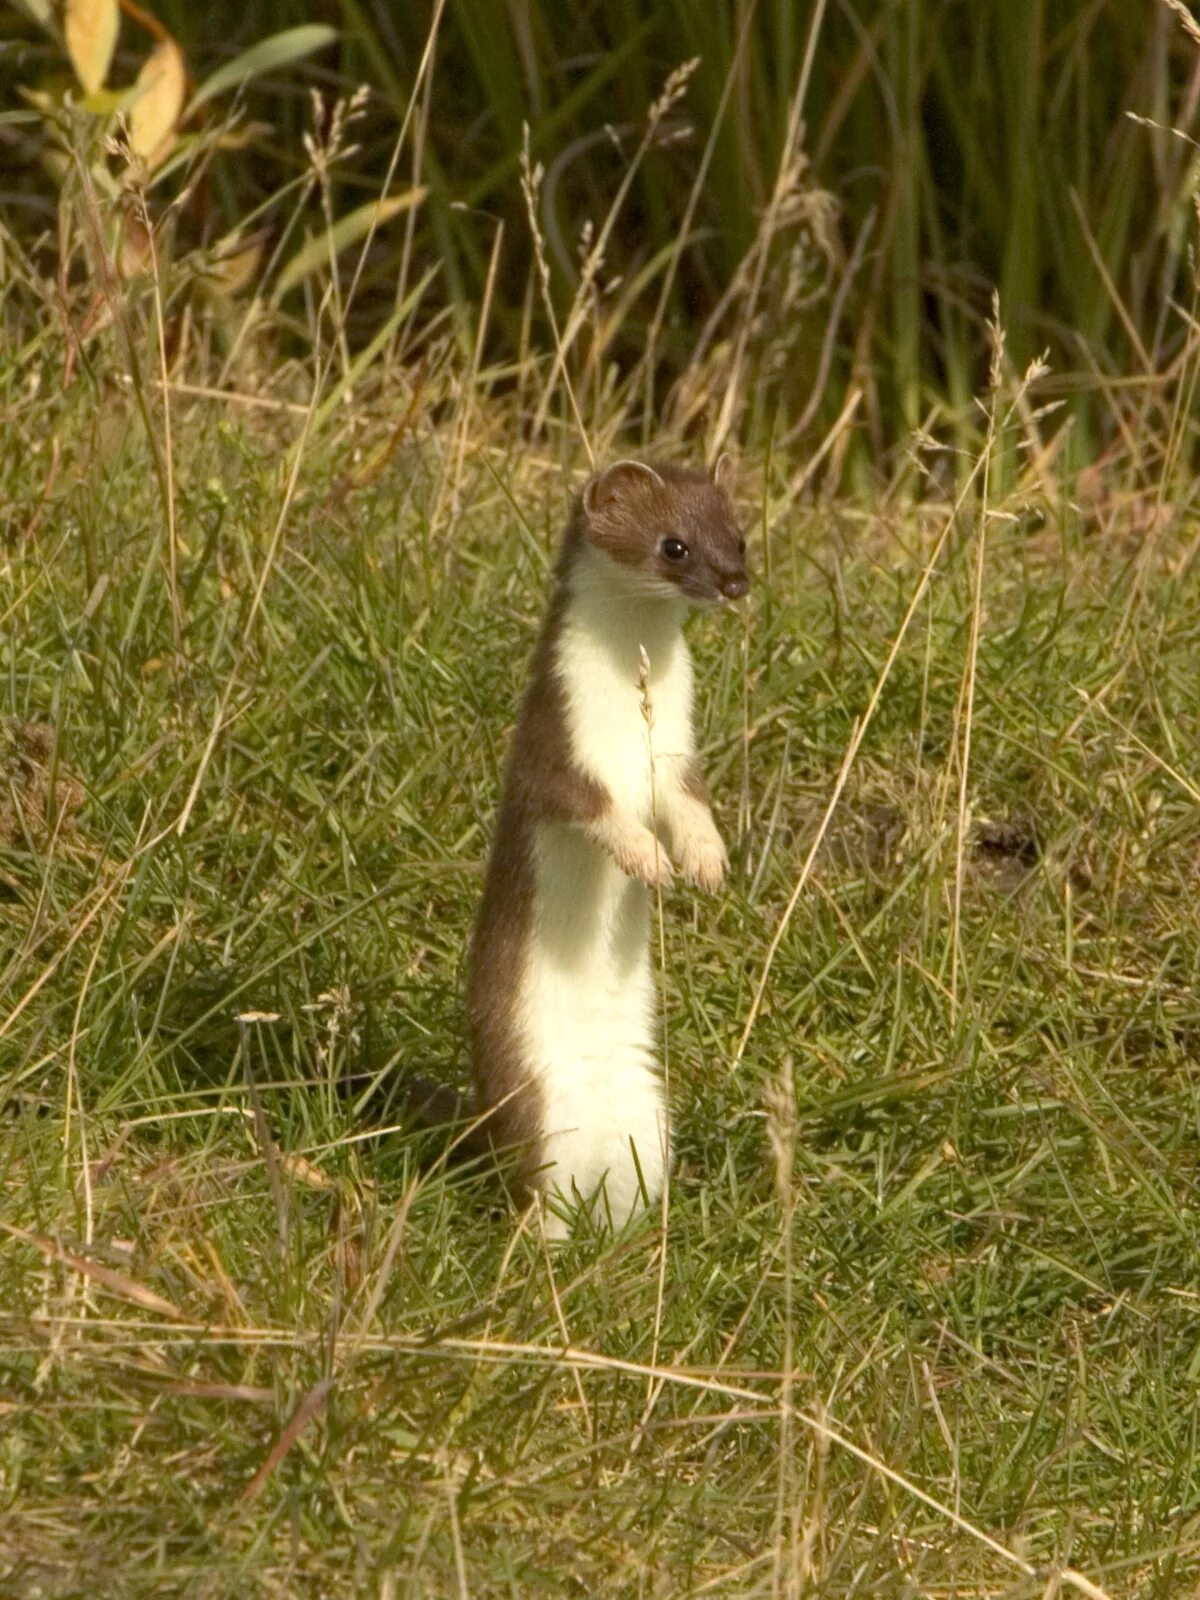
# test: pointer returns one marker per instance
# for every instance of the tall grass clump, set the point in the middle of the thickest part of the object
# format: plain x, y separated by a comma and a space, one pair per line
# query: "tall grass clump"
833, 200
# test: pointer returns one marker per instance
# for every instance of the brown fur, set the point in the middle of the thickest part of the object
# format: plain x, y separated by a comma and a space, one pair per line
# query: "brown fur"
540, 784
631, 507
694, 783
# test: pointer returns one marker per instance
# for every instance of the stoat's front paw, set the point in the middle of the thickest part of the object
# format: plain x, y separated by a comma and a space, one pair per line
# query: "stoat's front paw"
700, 852
641, 856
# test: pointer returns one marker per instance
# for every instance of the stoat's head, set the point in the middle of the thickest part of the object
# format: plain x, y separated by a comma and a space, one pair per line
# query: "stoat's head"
671, 529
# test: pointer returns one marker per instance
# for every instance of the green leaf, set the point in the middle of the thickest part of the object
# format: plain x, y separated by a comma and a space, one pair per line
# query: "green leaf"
280, 50
40, 11
105, 102
316, 252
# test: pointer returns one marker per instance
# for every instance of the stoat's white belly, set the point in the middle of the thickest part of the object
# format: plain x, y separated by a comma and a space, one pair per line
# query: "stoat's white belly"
626, 677
587, 1021
587, 1005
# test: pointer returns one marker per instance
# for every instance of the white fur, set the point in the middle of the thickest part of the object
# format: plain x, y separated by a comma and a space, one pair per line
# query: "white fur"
587, 1008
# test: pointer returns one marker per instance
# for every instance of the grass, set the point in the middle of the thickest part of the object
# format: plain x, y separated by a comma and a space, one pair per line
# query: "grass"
926, 1320
922, 1319
956, 146
873, 169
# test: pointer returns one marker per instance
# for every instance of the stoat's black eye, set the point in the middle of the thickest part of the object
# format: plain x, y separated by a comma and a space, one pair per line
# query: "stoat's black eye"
674, 549
741, 547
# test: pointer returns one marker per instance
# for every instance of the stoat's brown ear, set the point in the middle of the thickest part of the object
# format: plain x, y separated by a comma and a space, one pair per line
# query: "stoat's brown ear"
601, 491
723, 472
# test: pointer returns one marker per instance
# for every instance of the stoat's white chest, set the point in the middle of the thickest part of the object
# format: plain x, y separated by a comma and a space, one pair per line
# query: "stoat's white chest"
627, 679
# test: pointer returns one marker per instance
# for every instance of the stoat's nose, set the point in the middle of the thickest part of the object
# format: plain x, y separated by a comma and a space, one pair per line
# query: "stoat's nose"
735, 586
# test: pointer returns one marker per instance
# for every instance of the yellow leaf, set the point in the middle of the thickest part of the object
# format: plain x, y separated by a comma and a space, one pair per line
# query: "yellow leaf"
156, 104
90, 28
234, 269
134, 252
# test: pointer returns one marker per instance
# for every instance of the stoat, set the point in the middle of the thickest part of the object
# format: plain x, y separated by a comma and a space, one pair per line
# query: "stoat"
603, 801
